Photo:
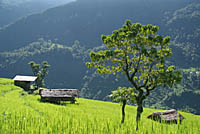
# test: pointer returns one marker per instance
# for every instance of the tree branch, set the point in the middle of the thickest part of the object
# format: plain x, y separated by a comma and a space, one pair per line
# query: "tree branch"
149, 89
136, 69
147, 80
132, 82
127, 72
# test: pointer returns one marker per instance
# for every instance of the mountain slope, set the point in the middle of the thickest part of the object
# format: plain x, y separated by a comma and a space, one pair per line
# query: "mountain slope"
22, 113
68, 70
184, 26
12, 10
67, 67
84, 20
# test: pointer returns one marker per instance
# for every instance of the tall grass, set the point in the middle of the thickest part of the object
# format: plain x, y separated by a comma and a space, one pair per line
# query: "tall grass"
6, 81
21, 114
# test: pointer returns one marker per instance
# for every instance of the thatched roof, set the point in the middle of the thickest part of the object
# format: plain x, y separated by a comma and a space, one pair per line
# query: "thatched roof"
167, 116
58, 92
25, 78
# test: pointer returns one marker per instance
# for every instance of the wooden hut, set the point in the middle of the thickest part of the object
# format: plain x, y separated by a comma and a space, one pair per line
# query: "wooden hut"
170, 116
57, 95
24, 81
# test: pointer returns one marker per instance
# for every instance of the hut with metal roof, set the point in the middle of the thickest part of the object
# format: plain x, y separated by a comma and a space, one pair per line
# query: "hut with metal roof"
24, 81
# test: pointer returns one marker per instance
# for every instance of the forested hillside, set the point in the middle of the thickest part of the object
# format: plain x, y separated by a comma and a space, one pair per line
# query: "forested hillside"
67, 68
12, 10
184, 28
85, 21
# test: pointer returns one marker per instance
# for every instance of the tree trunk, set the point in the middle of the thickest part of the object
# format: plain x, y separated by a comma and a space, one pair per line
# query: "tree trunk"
123, 111
139, 112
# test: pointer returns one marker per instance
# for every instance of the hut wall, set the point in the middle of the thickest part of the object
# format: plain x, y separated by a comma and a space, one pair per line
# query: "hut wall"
23, 84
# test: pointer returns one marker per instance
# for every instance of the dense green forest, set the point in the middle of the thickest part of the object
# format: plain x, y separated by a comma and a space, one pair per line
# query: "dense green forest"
64, 35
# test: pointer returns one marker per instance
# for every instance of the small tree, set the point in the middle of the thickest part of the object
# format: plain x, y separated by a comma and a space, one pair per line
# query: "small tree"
40, 72
140, 53
122, 95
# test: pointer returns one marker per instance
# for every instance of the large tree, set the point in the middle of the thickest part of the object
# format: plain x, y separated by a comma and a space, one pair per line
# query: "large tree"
140, 53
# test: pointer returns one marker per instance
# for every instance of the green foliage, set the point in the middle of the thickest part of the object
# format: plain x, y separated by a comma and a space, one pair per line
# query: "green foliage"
136, 50
40, 72
35, 48
123, 94
140, 53
29, 116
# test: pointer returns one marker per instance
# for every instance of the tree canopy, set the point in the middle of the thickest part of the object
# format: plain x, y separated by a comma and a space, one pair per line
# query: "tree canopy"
40, 72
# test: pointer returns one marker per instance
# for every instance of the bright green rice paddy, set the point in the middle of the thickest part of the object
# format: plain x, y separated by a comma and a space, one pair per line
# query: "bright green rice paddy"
25, 114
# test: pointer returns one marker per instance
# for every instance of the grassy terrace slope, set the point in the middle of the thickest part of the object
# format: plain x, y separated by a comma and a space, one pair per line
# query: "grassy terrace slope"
24, 114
